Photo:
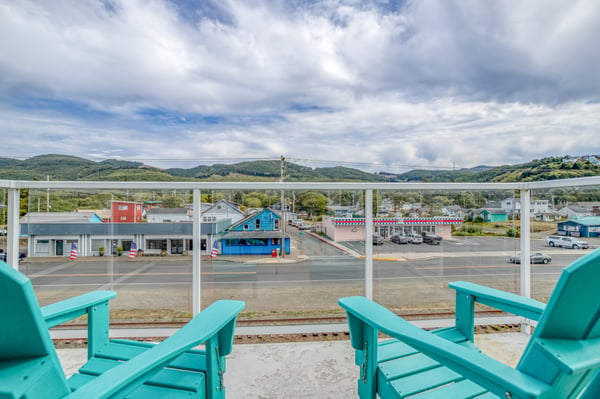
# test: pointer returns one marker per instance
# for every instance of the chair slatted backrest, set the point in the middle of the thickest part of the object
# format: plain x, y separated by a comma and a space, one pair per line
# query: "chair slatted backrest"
571, 317
24, 333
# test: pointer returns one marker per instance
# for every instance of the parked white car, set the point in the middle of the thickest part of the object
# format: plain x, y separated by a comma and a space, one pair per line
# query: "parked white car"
566, 242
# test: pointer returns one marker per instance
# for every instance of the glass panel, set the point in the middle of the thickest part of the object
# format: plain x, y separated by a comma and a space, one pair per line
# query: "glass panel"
301, 285
77, 242
431, 238
563, 232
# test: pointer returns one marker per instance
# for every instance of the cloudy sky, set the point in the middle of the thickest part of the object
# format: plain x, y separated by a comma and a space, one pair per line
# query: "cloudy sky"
377, 85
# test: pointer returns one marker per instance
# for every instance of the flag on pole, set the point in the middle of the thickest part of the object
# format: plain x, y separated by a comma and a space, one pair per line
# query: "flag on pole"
73, 251
215, 250
132, 250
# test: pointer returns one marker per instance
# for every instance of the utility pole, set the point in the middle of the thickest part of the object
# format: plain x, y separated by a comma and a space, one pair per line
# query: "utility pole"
48, 196
282, 202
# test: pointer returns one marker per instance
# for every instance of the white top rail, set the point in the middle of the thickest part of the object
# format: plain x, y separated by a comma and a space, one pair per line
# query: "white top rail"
455, 186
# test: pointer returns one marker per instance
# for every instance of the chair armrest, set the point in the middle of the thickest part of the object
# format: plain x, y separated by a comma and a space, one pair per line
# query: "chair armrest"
491, 374
69, 309
571, 356
502, 300
204, 327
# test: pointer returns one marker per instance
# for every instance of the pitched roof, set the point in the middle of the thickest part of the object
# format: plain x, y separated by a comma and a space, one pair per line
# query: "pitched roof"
230, 205
251, 217
494, 211
587, 221
61, 217
168, 211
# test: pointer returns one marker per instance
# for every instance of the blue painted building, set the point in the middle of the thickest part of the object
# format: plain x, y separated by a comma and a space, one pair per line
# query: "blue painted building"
257, 234
588, 226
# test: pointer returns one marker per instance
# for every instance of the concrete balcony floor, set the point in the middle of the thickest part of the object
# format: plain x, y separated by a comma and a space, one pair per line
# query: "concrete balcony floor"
323, 369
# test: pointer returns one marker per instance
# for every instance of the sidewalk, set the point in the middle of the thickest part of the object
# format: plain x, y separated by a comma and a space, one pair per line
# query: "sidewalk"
307, 369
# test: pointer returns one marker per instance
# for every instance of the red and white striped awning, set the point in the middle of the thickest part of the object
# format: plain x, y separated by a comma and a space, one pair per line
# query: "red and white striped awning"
396, 221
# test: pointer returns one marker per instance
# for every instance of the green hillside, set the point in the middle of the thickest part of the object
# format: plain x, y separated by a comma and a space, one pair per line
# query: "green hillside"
64, 167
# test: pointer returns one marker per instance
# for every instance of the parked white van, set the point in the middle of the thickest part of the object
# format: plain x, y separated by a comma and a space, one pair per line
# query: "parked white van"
415, 238
566, 242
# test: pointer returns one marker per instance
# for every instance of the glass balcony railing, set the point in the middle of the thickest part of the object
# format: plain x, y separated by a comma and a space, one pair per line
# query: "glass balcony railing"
290, 250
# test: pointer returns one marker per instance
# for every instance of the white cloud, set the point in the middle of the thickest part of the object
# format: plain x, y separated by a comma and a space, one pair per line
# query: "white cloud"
424, 83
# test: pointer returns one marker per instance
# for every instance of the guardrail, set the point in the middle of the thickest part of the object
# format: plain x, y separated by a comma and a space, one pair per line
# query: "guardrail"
522, 189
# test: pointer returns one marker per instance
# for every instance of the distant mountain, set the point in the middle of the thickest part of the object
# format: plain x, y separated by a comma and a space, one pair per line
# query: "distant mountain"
271, 170
442, 175
550, 168
64, 167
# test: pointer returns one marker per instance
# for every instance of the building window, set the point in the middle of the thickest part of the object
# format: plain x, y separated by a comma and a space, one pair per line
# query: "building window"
123, 217
276, 224
156, 244
96, 244
257, 224
246, 227
42, 246
236, 242
123, 207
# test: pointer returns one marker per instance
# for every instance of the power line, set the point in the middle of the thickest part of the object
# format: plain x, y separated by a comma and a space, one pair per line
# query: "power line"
301, 160
371, 164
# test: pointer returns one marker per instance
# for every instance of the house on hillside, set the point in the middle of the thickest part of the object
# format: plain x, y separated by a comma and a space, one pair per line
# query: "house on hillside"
258, 234
453, 210
512, 206
575, 211
547, 217
591, 206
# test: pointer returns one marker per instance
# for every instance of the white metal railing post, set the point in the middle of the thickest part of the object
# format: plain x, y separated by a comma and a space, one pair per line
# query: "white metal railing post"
14, 229
369, 244
196, 253
525, 243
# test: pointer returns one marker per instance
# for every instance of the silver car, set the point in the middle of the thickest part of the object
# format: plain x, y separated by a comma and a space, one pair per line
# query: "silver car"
537, 257
377, 239
399, 239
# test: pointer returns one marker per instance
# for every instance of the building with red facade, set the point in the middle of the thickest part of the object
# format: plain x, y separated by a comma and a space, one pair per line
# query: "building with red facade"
126, 211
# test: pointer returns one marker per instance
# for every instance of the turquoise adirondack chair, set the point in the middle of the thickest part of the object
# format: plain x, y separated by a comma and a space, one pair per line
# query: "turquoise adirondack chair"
561, 360
30, 368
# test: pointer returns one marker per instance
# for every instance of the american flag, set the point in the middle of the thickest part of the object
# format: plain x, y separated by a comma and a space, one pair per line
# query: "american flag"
132, 250
73, 251
215, 250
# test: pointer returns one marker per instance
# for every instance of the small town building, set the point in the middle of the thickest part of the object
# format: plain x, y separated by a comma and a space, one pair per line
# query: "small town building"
222, 210
493, 215
54, 233
168, 215
126, 211
353, 229
258, 234
512, 206
580, 227
575, 211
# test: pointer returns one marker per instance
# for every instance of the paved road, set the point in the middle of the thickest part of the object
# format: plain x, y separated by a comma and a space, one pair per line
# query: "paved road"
157, 271
307, 285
